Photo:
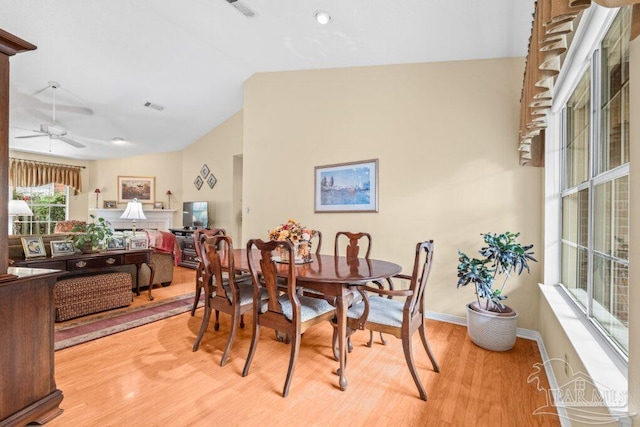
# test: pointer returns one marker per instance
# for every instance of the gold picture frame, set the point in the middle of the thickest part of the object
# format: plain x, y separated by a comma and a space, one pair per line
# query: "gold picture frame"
33, 247
142, 188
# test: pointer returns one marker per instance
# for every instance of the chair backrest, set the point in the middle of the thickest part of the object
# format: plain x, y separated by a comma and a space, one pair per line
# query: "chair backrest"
421, 271
351, 242
209, 247
201, 235
265, 279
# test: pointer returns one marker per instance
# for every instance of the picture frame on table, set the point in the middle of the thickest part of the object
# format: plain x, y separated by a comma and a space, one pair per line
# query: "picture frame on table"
109, 204
347, 187
116, 243
33, 247
138, 243
158, 205
62, 248
141, 188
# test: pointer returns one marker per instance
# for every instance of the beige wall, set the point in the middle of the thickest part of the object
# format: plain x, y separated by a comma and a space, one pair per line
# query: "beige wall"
165, 167
217, 150
78, 202
445, 135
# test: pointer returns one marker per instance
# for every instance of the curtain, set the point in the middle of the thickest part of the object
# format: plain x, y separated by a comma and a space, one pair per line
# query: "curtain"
553, 20
28, 173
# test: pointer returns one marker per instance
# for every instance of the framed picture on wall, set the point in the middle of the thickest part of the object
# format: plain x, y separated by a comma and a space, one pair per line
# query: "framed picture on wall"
347, 187
142, 188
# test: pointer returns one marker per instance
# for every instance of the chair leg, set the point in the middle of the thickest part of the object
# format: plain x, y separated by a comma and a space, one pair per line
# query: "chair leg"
252, 348
295, 349
232, 336
203, 327
242, 320
216, 325
370, 343
408, 355
427, 347
196, 299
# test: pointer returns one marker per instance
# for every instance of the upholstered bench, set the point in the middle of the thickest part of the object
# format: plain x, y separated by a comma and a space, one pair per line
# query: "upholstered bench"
82, 295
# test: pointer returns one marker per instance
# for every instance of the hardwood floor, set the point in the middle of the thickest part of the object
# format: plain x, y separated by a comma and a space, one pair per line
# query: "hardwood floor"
148, 376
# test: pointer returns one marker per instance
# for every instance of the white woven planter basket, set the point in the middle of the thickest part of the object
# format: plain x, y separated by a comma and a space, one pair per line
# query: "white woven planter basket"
490, 331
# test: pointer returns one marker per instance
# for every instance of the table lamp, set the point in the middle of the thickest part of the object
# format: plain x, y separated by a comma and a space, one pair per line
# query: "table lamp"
18, 208
133, 212
169, 193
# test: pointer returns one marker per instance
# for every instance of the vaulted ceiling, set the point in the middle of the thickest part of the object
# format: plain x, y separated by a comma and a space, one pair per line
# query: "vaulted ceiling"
191, 57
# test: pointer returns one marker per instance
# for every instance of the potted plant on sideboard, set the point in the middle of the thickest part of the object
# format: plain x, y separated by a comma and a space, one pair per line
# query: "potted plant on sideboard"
491, 324
90, 237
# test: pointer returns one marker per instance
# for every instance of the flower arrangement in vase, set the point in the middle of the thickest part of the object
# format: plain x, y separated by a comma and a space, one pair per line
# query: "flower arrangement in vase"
297, 234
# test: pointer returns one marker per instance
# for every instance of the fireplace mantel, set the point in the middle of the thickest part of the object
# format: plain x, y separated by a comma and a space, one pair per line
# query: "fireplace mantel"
157, 219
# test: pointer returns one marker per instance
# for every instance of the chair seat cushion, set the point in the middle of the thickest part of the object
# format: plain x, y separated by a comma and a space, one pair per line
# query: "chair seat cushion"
309, 307
246, 291
383, 311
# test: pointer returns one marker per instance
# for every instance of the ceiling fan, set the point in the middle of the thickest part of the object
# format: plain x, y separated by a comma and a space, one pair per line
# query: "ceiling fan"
53, 130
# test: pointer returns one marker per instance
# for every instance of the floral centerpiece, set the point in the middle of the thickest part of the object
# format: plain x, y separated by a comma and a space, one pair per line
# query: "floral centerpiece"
297, 234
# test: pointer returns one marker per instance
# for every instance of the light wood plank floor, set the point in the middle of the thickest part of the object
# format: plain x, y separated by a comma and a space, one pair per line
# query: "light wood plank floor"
148, 376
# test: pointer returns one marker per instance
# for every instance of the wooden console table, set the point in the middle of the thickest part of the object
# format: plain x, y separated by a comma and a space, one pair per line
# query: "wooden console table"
95, 263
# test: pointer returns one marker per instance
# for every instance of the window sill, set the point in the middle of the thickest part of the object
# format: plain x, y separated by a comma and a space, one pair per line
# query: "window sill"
604, 367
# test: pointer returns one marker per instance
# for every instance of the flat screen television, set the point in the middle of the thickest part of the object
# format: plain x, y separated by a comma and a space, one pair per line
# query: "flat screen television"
195, 214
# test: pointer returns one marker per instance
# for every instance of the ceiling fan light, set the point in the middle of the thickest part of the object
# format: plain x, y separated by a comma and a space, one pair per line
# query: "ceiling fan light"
322, 17
118, 141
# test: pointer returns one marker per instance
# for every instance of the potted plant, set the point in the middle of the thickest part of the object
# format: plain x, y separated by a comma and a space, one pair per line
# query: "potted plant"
491, 324
90, 237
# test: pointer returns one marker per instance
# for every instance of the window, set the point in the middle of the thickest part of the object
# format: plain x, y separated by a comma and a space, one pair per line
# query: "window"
49, 205
595, 195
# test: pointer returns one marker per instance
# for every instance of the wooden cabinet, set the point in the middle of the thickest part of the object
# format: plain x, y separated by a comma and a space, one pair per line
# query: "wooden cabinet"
187, 246
28, 389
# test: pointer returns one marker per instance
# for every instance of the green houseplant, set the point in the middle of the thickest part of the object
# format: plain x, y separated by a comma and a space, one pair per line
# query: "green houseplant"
490, 323
91, 236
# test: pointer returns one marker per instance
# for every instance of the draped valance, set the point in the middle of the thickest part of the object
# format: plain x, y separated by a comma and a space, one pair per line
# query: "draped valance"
29, 173
553, 20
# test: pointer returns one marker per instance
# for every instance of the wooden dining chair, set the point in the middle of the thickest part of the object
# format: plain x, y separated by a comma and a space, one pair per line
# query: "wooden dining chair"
232, 295
398, 318
286, 312
198, 236
350, 244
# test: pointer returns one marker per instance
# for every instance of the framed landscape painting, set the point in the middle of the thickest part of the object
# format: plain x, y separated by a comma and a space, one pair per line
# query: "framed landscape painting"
142, 188
347, 187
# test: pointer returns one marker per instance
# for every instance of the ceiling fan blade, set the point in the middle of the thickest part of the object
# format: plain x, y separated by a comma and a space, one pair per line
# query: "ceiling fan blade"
70, 141
30, 136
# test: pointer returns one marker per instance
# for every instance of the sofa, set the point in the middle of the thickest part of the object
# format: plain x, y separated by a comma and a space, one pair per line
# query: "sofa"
163, 261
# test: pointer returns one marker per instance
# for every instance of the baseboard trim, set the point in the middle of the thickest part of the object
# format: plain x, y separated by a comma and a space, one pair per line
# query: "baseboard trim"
529, 334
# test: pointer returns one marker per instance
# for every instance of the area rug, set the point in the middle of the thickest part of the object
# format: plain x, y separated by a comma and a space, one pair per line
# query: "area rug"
114, 321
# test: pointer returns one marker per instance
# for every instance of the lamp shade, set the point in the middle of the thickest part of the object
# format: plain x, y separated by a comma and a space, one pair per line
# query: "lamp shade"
133, 210
19, 207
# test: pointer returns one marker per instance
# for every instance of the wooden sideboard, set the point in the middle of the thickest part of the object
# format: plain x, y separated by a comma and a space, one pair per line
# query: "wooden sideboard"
28, 391
95, 263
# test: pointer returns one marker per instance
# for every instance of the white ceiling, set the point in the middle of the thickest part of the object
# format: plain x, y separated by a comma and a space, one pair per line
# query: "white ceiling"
192, 56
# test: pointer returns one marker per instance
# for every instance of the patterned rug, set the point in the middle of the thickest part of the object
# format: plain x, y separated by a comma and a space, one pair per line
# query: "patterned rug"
114, 321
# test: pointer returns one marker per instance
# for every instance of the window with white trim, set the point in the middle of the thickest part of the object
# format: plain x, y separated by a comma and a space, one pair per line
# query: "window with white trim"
49, 204
595, 190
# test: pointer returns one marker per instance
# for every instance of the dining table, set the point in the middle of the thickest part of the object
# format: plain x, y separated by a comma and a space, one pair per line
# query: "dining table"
332, 276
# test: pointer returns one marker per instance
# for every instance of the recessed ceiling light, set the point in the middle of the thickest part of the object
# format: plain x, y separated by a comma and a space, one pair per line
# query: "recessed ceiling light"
322, 17
118, 141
